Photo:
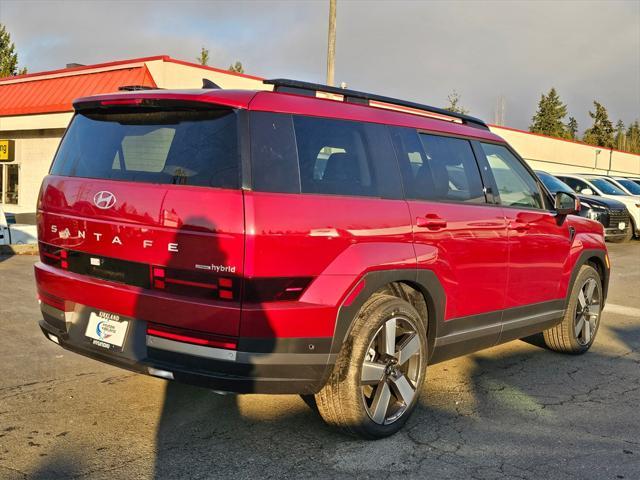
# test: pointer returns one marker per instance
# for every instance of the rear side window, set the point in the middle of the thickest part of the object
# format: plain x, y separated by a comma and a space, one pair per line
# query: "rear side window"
334, 157
299, 154
438, 168
170, 147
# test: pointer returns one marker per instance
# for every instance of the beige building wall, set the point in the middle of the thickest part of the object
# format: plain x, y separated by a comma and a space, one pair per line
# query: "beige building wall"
34, 151
176, 75
560, 156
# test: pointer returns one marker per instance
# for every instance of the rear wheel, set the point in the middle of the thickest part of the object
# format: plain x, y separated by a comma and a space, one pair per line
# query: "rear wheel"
380, 370
577, 331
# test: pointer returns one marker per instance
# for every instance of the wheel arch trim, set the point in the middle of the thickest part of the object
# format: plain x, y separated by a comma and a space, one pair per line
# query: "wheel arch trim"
424, 281
586, 256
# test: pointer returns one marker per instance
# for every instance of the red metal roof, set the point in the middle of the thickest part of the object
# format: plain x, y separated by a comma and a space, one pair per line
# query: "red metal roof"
55, 94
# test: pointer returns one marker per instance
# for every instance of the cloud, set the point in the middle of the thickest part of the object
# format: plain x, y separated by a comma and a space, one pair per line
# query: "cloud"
415, 50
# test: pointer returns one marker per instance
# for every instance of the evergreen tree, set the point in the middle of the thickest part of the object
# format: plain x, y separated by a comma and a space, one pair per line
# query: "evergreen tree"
236, 67
8, 55
633, 137
203, 59
620, 140
549, 116
601, 132
454, 104
572, 128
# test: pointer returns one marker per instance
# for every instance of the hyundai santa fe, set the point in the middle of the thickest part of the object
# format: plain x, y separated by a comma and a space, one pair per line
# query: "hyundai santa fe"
278, 242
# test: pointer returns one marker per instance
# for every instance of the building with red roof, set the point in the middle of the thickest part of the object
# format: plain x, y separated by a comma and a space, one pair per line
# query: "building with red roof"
36, 108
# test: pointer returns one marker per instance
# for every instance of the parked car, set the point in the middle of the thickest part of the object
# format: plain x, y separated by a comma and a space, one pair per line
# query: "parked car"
634, 180
600, 187
17, 229
613, 215
276, 242
629, 186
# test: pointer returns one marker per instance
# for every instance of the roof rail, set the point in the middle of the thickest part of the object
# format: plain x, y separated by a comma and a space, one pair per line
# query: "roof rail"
285, 85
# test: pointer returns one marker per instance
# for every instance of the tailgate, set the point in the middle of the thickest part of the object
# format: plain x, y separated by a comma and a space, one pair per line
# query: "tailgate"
182, 242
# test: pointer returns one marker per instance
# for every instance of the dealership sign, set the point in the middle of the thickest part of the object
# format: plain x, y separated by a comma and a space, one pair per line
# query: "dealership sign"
7, 150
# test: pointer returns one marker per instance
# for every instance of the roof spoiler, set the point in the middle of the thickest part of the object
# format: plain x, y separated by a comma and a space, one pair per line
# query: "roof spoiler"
352, 96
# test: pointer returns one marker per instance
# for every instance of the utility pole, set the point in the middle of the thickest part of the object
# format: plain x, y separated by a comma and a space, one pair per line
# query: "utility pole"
331, 48
498, 117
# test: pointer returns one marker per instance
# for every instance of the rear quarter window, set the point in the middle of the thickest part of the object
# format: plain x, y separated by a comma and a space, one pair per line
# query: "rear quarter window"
170, 147
300, 154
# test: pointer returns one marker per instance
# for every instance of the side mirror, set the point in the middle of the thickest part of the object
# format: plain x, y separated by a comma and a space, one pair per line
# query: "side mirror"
586, 191
567, 203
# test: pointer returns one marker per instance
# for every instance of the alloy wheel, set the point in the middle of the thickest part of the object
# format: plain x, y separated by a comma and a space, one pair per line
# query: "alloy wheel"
587, 312
391, 370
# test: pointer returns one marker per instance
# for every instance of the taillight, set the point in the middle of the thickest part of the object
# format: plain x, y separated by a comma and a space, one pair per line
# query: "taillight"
189, 336
257, 290
64, 259
54, 256
195, 284
157, 277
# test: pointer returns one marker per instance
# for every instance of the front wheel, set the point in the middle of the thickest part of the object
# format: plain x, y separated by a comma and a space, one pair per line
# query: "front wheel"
577, 331
377, 378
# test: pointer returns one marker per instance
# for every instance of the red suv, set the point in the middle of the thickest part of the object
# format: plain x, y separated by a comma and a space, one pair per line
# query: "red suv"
280, 242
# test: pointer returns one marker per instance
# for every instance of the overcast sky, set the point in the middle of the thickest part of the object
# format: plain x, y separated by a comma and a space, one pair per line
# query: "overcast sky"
418, 50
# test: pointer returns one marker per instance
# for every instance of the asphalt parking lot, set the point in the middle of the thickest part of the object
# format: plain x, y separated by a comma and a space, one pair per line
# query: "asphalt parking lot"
513, 411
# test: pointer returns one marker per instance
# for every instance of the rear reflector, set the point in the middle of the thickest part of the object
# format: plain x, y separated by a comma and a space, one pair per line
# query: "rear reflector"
188, 336
52, 300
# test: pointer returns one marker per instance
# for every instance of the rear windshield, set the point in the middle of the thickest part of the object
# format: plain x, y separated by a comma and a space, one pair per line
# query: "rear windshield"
175, 147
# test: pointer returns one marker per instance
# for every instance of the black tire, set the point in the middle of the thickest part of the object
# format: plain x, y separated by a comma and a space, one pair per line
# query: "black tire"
570, 335
345, 401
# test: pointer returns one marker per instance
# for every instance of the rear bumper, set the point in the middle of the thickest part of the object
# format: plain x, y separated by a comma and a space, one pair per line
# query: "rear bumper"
264, 360
275, 367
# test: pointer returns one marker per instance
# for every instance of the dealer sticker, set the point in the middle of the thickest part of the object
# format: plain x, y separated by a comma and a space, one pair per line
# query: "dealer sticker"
106, 329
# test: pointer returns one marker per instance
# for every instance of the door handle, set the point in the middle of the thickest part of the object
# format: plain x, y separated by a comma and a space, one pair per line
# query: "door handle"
431, 221
519, 226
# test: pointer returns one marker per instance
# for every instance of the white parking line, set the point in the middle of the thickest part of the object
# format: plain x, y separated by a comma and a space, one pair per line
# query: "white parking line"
622, 310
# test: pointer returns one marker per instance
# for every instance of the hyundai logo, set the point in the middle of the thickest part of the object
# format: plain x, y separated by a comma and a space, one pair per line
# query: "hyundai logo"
104, 199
